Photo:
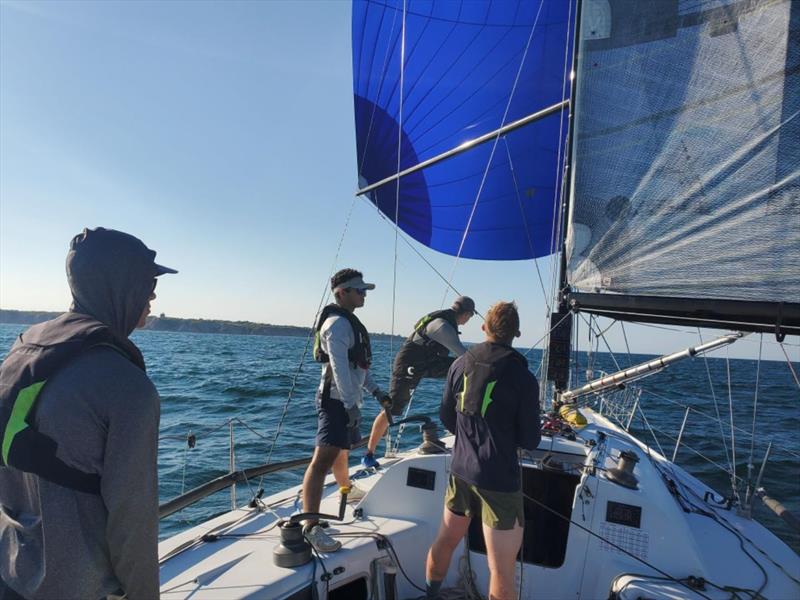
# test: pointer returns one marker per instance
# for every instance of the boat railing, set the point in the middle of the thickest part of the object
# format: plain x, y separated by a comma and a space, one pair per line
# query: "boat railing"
234, 475
623, 404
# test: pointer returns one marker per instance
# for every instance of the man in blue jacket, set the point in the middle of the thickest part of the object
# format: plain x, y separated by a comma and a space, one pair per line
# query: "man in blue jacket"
491, 404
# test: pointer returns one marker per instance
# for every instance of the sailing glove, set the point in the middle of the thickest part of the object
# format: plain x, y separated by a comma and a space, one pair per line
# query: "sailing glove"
353, 416
384, 399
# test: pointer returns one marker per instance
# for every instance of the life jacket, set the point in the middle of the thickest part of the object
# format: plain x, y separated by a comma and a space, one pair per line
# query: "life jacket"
38, 354
448, 315
360, 355
484, 366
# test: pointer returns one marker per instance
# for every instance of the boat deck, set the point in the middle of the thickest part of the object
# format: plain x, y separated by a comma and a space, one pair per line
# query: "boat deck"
614, 535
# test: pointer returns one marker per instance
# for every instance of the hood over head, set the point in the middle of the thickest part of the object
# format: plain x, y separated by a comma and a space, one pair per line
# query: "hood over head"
111, 275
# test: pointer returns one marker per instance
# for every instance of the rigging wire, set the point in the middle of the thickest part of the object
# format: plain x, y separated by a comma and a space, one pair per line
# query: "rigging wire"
710, 417
525, 223
494, 149
733, 433
397, 184
789, 362
716, 405
324, 296
417, 252
536, 343
748, 497
559, 194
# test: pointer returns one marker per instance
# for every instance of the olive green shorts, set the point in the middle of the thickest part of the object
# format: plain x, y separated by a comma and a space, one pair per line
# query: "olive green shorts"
497, 510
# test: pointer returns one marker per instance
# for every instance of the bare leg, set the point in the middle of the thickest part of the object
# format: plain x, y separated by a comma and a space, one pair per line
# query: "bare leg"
452, 531
321, 463
341, 468
502, 547
379, 427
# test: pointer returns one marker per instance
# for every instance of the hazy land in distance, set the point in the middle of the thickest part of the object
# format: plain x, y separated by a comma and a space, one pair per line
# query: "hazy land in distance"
164, 323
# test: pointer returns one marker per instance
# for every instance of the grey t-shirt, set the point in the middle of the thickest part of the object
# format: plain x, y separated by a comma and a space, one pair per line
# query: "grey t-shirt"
103, 412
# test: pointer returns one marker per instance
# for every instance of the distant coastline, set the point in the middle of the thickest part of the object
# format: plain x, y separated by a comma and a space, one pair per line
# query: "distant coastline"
164, 323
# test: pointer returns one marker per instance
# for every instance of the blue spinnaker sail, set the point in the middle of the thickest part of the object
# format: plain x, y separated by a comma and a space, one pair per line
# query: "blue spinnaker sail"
469, 68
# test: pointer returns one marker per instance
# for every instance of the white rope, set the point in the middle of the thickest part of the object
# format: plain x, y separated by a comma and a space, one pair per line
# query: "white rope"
494, 149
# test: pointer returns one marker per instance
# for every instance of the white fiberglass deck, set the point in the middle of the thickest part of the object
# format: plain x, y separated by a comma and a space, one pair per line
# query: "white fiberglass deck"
562, 560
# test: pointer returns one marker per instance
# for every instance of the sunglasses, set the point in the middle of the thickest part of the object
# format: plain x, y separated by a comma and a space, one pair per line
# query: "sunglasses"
155, 282
359, 291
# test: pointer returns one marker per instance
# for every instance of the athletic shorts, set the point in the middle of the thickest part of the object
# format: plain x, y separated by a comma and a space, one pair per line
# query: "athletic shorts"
332, 429
403, 384
497, 510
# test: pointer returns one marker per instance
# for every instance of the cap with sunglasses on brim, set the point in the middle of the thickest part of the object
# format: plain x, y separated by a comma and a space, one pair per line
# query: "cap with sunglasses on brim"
357, 283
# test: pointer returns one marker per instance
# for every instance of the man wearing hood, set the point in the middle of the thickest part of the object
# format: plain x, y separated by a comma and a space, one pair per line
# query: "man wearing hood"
79, 436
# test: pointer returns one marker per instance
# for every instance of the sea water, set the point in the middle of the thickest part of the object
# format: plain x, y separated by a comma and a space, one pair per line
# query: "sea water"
209, 381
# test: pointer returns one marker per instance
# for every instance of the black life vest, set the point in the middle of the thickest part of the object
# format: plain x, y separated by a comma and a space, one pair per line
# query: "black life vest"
484, 365
38, 354
360, 355
448, 315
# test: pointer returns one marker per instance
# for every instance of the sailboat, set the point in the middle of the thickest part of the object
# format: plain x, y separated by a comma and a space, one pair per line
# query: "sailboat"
651, 149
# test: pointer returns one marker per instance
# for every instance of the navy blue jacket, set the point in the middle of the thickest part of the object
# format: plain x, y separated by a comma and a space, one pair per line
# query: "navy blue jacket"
485, 451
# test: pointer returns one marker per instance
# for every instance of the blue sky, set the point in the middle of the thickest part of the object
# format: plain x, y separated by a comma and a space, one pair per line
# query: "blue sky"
222, 135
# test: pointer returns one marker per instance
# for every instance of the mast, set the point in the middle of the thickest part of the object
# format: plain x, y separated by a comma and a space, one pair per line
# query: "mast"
559, 345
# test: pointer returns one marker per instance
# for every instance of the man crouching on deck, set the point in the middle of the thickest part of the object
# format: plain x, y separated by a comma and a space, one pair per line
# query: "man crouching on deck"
341, 343
491, 403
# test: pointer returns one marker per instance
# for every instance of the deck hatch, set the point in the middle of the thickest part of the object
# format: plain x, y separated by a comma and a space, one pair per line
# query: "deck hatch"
421, 478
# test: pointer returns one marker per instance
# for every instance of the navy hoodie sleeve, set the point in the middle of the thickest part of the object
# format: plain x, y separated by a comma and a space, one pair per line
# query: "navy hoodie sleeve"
447, 410
528, 423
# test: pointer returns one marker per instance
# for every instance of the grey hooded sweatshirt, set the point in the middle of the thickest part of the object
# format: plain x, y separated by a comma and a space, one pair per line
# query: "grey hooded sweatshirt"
103, 412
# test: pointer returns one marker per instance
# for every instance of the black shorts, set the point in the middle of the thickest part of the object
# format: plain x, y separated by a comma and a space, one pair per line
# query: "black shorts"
403, 384
332, 429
